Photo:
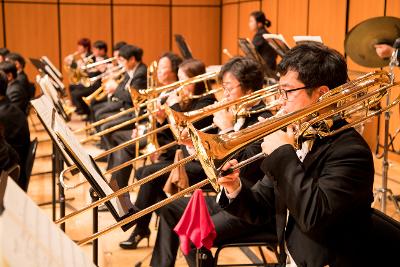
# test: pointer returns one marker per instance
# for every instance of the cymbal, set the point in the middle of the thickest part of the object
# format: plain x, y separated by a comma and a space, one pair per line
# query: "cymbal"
360, 41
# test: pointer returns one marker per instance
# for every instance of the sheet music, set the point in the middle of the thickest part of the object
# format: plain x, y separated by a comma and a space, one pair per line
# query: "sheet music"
299, 39
275, 36
47, 87
30, 238
44, 107
62, 129
52, 67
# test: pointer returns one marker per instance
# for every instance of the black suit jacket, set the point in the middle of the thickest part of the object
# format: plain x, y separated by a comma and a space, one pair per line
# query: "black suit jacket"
8, 156
29, 87
17, 94
328, 197
16, 131
166, 136
139, 81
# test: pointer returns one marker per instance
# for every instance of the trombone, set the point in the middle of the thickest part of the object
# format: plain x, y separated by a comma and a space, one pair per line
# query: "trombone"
178, 120
100, 94
105, 74
360, 96
147, 94
98, 63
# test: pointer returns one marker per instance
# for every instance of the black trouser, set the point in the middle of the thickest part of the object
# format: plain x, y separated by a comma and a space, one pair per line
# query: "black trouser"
152, 192
120, 178
77, 92
227, 227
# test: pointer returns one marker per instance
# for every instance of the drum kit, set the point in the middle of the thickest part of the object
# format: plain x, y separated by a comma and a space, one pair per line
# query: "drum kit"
360, 47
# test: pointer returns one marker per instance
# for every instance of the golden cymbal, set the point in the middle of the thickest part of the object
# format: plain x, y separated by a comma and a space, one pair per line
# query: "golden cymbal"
361, 40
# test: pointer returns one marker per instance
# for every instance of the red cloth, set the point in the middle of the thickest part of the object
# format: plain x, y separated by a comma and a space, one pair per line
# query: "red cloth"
196, 224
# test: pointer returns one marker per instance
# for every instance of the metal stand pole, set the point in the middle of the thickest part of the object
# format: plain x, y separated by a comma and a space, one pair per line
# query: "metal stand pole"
385, 163
94, 197
53, 182
61, 194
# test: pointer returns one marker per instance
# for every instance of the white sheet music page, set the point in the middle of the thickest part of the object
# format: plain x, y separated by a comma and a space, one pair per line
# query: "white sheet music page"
29, 238
298, 39
43, 106
81, 153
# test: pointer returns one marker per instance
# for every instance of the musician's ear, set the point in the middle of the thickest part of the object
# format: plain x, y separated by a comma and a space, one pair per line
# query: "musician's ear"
323, 89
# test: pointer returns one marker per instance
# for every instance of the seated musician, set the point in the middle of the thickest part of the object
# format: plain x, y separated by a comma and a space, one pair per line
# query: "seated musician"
239, 76
19, 62
15, 129
75, 61
3, 53
119, 95
16, 93
321, 194
97, 104
167, 73
152, 192
99, 53
116, 49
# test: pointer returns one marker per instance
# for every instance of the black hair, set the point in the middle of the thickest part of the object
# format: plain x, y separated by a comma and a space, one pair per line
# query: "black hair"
9, 67
128, 51
193, 67
247, 71
85, 42
174, 59
4, 51
316, 65
118, 45
3, 83
100, 45
259, 16
16, 57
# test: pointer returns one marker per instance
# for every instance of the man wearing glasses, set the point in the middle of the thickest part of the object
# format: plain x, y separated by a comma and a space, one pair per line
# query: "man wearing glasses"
321, 194
239, 76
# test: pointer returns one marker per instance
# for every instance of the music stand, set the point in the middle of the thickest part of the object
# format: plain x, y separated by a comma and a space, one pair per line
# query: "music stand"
47, 87
58, 157
69, 145
250, 51
183, 46
44, 66
277, 42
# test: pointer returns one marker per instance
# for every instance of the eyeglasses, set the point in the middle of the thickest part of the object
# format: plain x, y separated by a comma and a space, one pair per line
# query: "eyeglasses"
284, 93
229, 89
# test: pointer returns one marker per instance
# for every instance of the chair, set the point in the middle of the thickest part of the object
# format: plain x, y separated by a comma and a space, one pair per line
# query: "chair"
262, 239
30, 159
385, 239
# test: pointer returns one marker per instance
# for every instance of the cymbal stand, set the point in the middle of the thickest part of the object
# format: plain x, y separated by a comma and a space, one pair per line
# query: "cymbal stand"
384, 190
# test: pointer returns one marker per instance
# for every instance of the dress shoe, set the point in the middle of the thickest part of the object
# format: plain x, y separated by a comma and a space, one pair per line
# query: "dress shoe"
135, 238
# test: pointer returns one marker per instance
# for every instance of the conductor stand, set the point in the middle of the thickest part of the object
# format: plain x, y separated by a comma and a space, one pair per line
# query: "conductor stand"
384, 190
95, 197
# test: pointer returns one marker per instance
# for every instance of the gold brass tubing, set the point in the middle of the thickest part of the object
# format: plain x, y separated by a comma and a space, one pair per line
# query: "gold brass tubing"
145, 211
114, 128
129, 162
126, 189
